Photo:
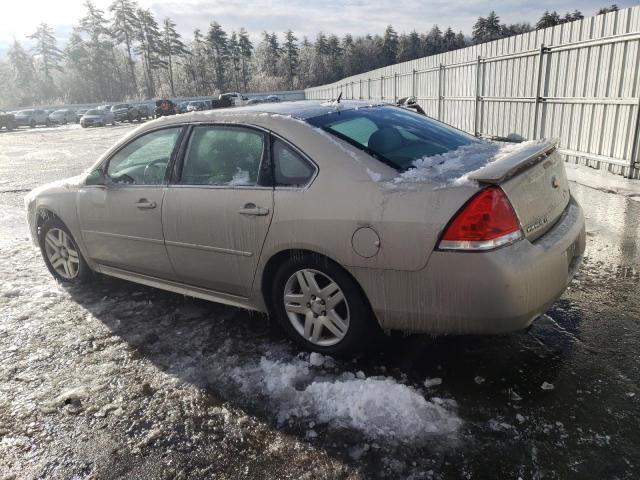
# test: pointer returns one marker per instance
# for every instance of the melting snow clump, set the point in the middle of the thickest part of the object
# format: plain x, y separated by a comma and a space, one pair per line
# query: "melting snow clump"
376, 406
454, 167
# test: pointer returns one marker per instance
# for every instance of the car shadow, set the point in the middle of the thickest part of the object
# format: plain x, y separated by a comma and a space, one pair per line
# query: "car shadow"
483, 374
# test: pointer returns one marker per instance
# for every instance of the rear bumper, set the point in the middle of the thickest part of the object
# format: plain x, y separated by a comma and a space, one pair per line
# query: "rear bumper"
481, 293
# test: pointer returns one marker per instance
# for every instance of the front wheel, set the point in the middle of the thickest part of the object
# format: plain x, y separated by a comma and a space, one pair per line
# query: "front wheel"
321, 307
61, 253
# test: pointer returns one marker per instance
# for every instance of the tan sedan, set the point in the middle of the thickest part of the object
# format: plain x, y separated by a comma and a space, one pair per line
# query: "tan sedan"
338, 219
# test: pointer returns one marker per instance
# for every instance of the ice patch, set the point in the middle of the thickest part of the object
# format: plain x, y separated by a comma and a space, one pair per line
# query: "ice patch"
375, 406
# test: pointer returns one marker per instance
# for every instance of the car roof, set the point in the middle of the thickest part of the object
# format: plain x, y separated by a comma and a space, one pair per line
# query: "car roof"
301, 110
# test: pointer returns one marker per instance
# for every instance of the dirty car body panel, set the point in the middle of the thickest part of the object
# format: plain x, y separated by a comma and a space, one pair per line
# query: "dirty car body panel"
217, 239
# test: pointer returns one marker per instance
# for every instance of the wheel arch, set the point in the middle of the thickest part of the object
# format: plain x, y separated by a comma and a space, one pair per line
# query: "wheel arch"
276, 260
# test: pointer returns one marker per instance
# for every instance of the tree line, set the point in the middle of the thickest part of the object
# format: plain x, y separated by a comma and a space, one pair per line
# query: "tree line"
126, 53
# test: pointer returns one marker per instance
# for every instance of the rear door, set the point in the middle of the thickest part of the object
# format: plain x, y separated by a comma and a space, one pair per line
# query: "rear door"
217, 213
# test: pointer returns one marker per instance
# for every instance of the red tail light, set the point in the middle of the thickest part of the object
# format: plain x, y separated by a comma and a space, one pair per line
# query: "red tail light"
487, 221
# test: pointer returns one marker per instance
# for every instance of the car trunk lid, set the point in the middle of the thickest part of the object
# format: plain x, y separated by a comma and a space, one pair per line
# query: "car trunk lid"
535, 181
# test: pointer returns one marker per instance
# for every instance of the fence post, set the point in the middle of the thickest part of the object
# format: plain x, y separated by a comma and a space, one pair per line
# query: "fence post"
539, 88
440, 92
476, 107
395, 87
635, 145
413, 83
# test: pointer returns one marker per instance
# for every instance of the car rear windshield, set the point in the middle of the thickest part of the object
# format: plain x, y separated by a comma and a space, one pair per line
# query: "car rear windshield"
393, 135
94, 112
118, 107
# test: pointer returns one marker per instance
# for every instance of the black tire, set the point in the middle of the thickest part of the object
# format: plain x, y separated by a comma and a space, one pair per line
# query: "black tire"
32, 124
47, 123
10, 126
83, 273
362, 325
83, 125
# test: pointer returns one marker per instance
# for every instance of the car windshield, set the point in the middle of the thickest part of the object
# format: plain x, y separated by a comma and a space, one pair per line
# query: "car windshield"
60, 111
391, 134
25, 112
94, 112
118, 107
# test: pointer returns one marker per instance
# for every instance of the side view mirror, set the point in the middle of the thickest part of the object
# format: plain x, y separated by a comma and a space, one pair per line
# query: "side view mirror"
97, 177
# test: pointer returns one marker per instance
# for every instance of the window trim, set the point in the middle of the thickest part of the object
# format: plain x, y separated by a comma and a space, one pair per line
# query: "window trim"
104, 166
316, 169
265, 171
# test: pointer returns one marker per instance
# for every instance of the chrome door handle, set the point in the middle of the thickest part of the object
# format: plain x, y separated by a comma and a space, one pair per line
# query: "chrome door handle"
252, 209
144, 204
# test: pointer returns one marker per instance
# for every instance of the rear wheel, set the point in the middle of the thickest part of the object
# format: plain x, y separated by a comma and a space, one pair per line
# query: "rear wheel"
321, 307
61, 253
32, 124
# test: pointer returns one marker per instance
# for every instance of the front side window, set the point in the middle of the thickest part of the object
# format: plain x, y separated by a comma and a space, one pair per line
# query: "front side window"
290, 169
144, 161
221, 155
391, 134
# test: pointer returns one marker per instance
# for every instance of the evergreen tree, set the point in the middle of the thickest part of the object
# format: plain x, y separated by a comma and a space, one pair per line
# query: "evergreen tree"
612, 8
22, 72
389, 46
149, 48
100, 52
171, 46
218, 47
291, 52
46, 49
246, 51
124, 27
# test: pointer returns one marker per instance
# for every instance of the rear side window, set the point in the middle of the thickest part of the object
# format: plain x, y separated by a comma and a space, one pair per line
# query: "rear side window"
221, 155
290, 169
391, 134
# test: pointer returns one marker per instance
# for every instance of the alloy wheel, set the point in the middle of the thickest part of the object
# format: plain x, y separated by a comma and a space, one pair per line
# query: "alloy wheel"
62, 253
316, 307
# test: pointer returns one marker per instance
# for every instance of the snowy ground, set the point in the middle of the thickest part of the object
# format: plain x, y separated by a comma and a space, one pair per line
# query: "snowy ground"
115, 380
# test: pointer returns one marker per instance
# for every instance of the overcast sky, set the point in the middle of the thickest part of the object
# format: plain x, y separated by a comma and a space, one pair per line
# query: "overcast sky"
19, 18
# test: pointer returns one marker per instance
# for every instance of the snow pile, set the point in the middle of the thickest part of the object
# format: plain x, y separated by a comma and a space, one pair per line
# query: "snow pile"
603, 181
376, 406
454, 167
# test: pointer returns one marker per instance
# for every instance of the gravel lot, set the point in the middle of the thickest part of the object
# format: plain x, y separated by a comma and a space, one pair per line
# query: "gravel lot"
115, 380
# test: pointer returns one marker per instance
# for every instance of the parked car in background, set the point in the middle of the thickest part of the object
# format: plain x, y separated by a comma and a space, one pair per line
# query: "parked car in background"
63, 116
486, 256
272, 99
164, 108
104, 107
234, 99
81, 112
123, 112
182, 107
97, 118
144, 111
32, 118
7, 120
254, 101
196, 106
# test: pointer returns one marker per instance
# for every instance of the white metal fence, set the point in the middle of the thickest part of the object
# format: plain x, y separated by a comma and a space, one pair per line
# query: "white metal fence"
578, 81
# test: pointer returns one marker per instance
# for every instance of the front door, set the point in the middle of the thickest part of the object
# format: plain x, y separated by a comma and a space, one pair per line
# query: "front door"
217, 214
121, 221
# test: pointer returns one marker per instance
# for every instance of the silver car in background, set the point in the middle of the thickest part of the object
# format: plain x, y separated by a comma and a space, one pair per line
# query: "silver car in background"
97, 118
299, 209
32, 118
63, 116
